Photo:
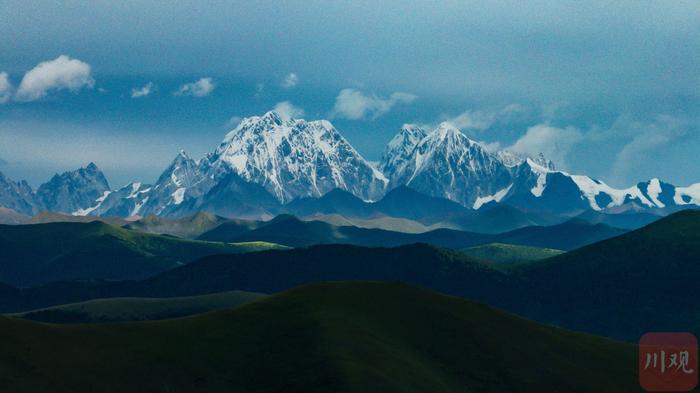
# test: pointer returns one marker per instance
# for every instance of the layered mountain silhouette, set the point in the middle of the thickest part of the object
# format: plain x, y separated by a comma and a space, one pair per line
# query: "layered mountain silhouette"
269, 165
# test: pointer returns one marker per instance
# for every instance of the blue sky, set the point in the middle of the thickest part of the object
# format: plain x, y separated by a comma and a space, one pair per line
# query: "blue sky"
609, 90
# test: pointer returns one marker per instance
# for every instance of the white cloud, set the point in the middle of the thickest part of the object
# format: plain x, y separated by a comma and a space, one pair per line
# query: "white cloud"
491, 147
287, 110
57, 74
200, 88
353, 104
144, 91
479, 120
473, 120
554, 142
648, 139
290, 81
233, 121
5, 88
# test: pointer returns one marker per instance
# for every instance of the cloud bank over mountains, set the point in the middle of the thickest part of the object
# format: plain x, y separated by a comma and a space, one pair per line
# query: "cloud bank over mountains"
354, 105
592, 80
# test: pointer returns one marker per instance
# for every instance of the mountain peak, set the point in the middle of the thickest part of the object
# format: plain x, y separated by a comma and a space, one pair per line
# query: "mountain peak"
412, 129
446, 128
447, 164
544, 162
400, 147
446, 132
74, 190
540, 164
509, 158
296, 159
271, 117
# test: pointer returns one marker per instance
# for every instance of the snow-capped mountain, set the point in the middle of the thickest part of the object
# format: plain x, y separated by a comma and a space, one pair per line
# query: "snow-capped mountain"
447, 164
183, 179
74, 191
293, 158
124, 202
512, 159
17, 196
537, 186
267, 161
399, 150
262, 163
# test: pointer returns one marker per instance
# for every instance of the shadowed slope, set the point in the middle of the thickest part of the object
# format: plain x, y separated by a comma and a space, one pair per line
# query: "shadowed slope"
339, 337
41, 253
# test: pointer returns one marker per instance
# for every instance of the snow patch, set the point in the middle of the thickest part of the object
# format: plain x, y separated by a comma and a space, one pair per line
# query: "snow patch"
138, 207
85, 212
497, 197
179, 195
654, 190
592, 188
538, 189
692, 192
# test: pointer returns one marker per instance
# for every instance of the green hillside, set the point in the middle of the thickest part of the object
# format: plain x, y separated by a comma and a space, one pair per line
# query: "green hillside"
510, 253
386, 223
139, 309
645, 280
189, 227
621, 287
230, 229
47, 217
293, 232
339, 337
40, 253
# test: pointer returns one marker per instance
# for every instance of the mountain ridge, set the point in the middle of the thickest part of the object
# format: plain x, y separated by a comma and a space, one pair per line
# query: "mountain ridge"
268, 162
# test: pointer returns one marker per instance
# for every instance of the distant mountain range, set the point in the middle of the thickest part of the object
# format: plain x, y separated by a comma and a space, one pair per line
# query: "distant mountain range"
292, 232
97, 250
269, 165
621, 287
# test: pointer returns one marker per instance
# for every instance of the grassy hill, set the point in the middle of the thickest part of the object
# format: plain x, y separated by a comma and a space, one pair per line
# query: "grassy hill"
499, 219
139, 309
645, 280
41, 253
189, 227
386, 223
339, 337
293, 232
47, 217
566, 236
625, 220
621, 287
510, 253
230, 229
